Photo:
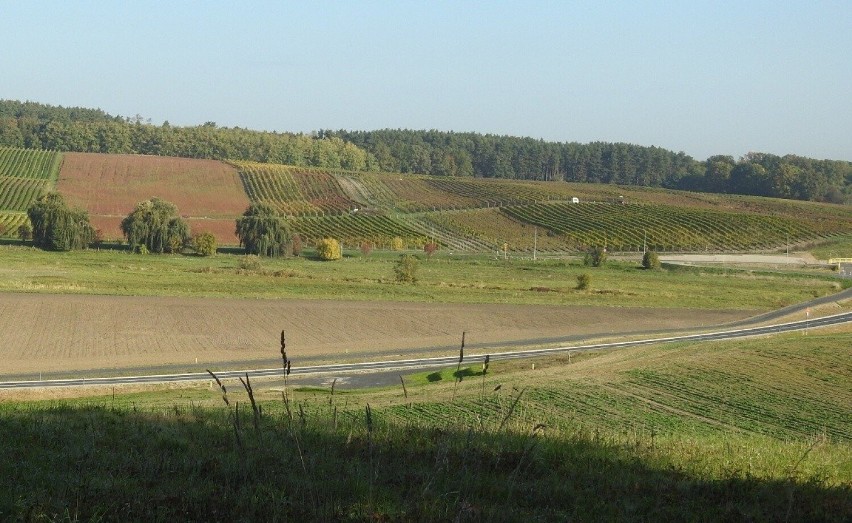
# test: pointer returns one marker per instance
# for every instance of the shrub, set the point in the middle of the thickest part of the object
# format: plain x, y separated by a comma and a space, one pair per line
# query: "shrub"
97, 238
204, 244
583, 281
249, 262
430, 249
296, 245
595, 256
328, 249
366, 248
397, 244
25, 231
405, 269
650, 260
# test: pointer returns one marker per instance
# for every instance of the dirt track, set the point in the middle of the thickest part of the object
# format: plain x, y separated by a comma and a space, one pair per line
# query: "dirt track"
55, 333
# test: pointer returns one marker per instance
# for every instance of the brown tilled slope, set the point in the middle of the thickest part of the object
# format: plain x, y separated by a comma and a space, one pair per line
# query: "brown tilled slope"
49, 333
206, 192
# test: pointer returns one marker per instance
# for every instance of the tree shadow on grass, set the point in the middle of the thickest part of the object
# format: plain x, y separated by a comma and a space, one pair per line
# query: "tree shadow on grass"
182, 463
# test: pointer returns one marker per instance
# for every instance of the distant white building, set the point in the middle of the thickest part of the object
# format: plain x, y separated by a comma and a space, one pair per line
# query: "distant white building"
575, 200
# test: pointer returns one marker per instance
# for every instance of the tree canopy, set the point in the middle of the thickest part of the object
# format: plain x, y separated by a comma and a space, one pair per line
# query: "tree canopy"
57, 227
32, 125
155, 224
263, 231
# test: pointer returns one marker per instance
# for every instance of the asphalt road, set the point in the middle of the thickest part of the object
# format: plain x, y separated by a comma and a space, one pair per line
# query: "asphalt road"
426, 363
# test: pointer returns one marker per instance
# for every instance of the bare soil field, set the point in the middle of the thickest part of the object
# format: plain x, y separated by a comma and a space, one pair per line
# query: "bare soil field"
64, 333
110, 185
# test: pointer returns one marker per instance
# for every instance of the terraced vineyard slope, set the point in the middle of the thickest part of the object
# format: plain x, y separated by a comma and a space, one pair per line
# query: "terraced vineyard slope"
460, 214
24, 175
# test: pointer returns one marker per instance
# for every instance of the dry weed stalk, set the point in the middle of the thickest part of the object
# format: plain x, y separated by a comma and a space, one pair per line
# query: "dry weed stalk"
221, 387
254, 406
511, 409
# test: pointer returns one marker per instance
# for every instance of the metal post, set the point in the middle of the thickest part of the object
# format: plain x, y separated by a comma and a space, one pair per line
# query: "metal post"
535, 242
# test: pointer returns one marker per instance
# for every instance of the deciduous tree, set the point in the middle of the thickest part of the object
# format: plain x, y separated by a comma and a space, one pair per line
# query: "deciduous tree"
155, 224
263, 231
57, 227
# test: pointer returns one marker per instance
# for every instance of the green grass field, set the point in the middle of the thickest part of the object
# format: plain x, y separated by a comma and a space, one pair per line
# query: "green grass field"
444, 278
754, 430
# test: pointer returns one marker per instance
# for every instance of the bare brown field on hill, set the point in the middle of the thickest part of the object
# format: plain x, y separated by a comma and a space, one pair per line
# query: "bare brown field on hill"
222, 228
110, 185
63, 333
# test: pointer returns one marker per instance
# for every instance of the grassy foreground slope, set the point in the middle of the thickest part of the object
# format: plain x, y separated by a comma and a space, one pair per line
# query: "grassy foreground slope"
755, 430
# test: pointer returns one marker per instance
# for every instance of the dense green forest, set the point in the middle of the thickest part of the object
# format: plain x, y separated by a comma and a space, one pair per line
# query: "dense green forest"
33, 125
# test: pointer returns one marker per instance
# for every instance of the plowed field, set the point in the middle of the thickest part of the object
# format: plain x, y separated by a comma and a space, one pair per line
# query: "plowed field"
55, 333
208, 193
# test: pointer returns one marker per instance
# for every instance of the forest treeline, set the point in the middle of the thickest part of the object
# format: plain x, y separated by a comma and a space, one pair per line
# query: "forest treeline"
34, 125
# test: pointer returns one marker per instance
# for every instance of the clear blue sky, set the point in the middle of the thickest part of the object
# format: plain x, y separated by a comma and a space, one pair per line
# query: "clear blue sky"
700, 77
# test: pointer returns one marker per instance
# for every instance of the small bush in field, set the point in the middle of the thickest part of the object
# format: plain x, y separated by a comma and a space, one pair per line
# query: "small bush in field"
250, 262
596, 256
405, 269
25, 231
204, 244
650, 260
366, 248
328, 249
583, 281
430, 249
97, 239
397, 243
296, 245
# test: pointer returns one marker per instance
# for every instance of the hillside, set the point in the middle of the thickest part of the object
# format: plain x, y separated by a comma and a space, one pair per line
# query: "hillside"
460, 214
208, 193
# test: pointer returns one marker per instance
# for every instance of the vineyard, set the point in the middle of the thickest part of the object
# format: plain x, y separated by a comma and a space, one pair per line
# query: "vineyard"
661, 228
29, 163
294, 191
10, 221
353, 230
24, 175
461, 214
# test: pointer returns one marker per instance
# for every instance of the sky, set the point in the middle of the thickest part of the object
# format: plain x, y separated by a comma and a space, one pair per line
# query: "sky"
704, 78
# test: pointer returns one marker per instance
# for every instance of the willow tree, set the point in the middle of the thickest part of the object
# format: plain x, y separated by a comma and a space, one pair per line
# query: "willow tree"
155, 224
263, 231
57, 227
